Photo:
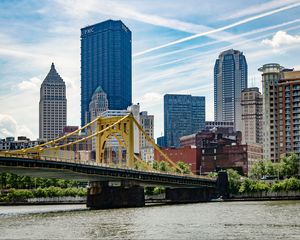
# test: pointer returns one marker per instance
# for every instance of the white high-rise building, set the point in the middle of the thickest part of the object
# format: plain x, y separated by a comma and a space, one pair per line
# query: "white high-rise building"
146, 149
52, 106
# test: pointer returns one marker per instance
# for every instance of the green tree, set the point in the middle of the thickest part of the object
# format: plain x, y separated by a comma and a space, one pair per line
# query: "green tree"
290, 164
258, 170
155, 165
184, 167
270, 168
234, 180
164, 166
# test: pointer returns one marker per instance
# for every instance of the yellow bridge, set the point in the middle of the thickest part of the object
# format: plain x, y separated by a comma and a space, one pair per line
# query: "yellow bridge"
116, 177
95, 144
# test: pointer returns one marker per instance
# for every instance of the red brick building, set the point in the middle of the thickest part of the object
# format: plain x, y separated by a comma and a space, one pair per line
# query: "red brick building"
189, 154
208, 152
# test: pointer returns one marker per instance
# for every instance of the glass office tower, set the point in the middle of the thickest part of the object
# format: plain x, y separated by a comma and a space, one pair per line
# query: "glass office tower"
230, 78
106, 62
183, 115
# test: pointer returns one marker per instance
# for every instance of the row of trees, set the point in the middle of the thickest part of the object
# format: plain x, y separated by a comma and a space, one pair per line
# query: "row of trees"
15, 195
288, 184
8, 180
165, 167
287, 170
287, 167
19, 188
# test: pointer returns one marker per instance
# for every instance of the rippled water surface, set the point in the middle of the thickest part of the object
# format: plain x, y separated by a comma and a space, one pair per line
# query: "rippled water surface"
218, 220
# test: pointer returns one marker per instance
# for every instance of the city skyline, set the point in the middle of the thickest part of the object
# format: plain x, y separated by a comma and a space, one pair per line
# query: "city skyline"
173, 53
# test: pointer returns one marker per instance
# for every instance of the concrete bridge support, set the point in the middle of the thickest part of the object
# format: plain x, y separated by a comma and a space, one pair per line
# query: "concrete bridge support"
189, 195
103, 195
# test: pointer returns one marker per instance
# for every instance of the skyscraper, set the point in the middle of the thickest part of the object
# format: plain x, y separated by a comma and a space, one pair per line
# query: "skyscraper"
281, 106
53, 106
288, 119
230, 78
252, 116
106, 62
183, 115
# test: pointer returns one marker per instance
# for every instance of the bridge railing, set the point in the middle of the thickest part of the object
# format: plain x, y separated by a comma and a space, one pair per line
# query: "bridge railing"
94, 163
93, 145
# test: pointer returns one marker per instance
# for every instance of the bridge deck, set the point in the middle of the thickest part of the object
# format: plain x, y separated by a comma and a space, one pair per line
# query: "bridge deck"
96, 172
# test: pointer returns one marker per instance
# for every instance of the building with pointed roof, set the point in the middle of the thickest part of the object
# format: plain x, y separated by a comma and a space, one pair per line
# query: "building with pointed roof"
52, 106
98, 104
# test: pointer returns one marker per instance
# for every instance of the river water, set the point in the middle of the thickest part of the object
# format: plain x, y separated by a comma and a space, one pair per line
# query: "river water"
215, 220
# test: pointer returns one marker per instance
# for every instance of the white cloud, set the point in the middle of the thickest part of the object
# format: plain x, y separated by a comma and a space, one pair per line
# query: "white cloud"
235, 37
150, 99
282, 38
246, 11
10, 128
31, 84
80, 9
217, 30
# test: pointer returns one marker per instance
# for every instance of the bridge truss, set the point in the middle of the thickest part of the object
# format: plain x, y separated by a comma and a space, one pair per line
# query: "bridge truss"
107, 141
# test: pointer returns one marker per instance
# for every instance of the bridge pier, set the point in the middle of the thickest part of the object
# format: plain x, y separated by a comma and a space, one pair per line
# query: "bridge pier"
189, 195
104, 195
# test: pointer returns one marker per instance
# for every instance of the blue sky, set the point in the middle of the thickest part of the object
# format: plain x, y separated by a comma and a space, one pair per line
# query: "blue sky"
175, 44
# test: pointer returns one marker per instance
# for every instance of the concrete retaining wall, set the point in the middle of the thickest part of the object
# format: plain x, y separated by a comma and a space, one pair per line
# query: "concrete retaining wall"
57, 199
267, 195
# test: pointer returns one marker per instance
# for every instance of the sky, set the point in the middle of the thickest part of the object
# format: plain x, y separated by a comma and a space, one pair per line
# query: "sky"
175, 44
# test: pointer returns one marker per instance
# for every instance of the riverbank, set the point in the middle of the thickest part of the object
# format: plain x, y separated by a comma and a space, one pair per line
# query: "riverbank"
160, 199
46, 201
265, 196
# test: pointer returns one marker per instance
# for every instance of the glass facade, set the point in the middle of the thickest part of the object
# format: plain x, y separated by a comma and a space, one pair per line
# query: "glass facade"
106, 61
230, 78
183, 115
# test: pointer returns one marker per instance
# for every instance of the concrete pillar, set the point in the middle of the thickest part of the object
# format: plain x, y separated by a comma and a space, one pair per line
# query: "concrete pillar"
189, 195
103, 195
223, 185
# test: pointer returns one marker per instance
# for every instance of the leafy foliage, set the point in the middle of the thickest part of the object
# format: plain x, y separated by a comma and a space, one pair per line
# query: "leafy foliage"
249, 185
165, 167
239, 184
289, 184
235, 181
8, 180
287, 167
23, 194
